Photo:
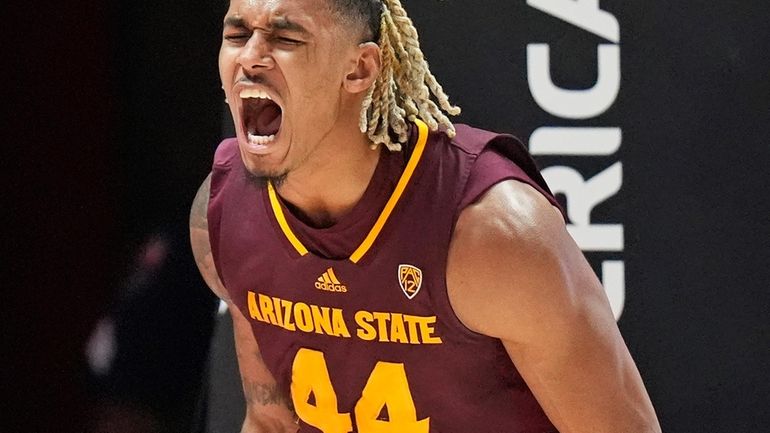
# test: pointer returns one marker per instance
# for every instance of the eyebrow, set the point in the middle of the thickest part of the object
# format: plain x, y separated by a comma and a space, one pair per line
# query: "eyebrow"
234, 21
283, 23
278, 23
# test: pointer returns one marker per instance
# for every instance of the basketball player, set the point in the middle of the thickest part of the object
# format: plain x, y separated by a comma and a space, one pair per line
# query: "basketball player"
386, 270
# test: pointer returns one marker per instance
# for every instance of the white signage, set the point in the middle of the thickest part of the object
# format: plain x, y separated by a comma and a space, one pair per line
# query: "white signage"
583, 194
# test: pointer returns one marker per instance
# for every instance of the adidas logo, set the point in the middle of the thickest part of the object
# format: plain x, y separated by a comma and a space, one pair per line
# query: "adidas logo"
329, 282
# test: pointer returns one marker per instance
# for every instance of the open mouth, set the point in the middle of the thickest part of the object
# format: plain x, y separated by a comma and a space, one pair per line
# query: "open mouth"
261, 116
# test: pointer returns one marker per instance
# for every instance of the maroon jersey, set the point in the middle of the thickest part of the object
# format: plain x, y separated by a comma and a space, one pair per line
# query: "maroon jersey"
354, 319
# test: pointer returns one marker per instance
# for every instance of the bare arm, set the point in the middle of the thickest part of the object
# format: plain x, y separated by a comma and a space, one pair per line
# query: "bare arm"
267, 407
267, 410
514, 273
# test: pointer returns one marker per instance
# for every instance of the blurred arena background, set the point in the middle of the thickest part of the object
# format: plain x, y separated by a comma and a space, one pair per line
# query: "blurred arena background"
650, 119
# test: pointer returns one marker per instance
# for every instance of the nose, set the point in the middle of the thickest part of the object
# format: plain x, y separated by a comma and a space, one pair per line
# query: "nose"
256, 53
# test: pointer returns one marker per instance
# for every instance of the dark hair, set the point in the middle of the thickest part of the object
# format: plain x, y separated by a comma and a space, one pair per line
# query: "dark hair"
366, 13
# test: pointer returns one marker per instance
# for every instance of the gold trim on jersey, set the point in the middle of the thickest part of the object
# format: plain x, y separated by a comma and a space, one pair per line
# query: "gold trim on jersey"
276, 205
367, 243
422, 138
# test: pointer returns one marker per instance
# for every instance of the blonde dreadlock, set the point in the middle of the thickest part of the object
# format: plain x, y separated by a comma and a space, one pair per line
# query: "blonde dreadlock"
403, 89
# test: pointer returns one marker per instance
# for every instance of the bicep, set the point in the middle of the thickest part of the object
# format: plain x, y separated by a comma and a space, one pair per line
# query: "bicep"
574, 358
515, 274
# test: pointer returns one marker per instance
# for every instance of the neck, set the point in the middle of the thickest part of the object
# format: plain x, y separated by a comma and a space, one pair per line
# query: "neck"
333, 179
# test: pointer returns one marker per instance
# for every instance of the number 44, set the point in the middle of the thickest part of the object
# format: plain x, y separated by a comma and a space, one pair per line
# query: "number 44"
386, 387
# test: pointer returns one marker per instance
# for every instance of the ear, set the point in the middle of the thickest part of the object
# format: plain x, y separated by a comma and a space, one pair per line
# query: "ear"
366, 69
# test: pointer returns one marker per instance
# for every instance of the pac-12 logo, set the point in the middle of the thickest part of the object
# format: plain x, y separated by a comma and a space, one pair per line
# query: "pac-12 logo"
410, 280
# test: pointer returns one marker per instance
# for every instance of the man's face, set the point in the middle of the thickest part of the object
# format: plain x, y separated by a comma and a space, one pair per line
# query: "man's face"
282, 64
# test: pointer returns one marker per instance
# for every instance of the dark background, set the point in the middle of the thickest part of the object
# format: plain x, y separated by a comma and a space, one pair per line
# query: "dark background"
113, 110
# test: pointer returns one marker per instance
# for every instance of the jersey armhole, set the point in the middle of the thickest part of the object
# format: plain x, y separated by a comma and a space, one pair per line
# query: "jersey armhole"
492, 167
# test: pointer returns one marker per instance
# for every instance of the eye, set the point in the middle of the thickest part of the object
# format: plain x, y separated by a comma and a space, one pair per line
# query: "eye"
287, 41
240, 37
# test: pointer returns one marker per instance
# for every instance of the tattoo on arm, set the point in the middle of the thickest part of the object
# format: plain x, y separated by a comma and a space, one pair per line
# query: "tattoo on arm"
199, 238
199, 211
264, 394
268, 409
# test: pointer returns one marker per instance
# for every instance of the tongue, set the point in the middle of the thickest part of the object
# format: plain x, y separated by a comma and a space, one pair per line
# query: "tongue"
269, 120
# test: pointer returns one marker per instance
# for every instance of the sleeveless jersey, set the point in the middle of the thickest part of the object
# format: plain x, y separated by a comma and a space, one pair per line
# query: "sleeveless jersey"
367, 341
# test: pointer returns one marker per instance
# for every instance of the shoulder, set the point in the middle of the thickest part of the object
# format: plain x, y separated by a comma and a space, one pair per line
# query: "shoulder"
227, 154
490, 158
474, 141
511, 217
510, 258
467, 140
200, 241
471, 140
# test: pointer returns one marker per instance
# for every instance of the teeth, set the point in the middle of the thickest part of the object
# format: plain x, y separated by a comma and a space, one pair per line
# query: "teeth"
254, 93
260, 139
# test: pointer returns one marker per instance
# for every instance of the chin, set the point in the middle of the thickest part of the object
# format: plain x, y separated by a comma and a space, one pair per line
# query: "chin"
260, 171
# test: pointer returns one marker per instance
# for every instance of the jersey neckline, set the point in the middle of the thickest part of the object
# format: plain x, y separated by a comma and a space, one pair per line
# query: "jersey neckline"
278, 210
